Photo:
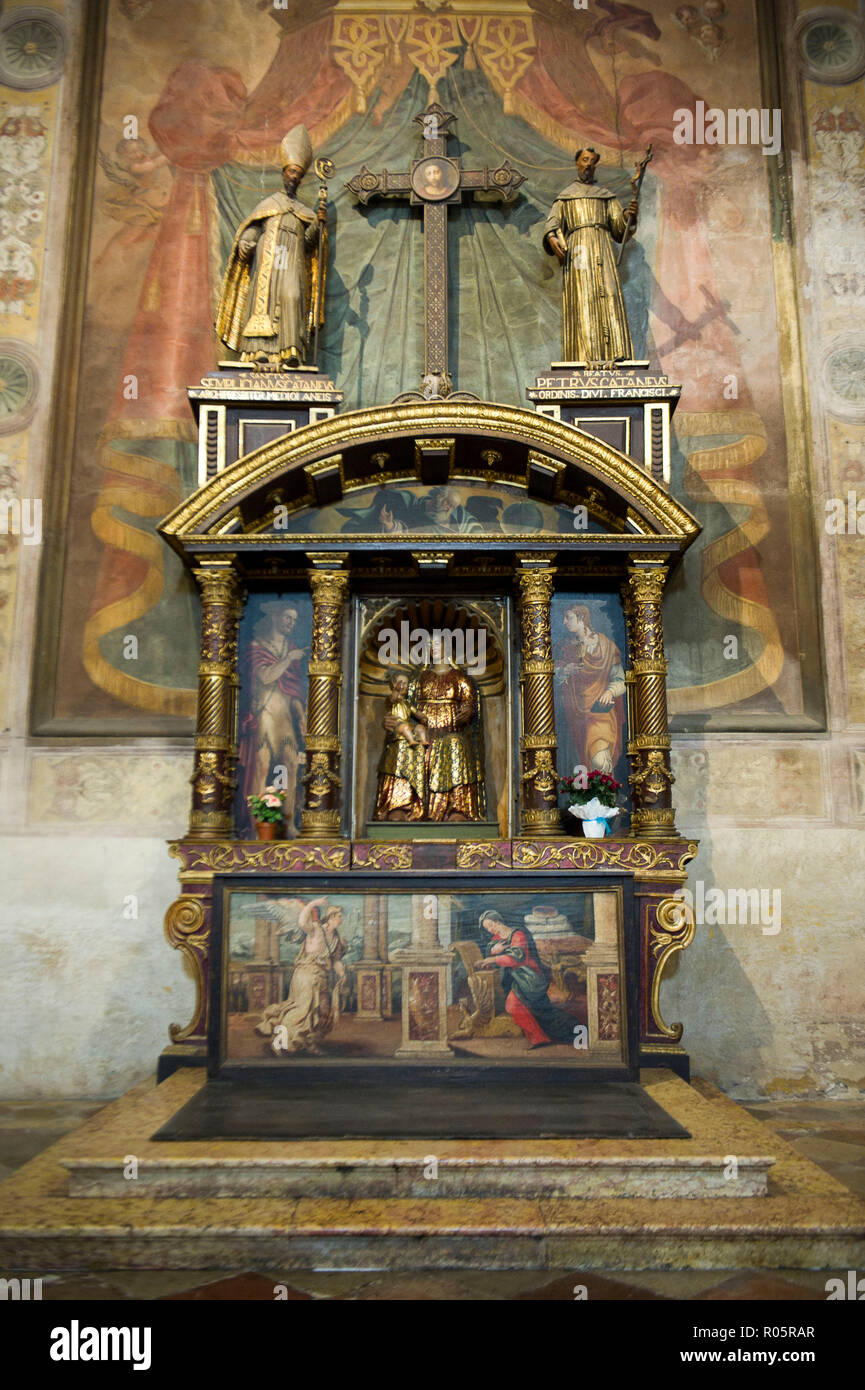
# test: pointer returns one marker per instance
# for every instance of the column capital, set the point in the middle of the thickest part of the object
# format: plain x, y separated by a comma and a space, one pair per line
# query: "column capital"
646, 580
536, 585
536, 560
328, 559
218, 579
328, 585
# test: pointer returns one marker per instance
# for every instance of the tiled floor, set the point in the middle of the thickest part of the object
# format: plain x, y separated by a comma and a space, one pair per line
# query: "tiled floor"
831, 1133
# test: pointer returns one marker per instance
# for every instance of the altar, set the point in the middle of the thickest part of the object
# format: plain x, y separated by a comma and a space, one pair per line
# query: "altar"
517, 529
431, 685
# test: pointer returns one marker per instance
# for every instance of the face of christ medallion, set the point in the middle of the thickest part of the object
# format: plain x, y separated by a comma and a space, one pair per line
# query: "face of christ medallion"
435, 179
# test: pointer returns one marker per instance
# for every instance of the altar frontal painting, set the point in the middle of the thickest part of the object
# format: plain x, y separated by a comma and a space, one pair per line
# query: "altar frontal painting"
443, 976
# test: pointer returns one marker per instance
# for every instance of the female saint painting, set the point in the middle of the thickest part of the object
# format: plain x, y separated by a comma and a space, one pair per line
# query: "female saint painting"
302, 1021
441, 780
590, 686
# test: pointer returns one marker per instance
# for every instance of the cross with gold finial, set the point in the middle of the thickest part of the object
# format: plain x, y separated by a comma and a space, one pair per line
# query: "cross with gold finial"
435, 181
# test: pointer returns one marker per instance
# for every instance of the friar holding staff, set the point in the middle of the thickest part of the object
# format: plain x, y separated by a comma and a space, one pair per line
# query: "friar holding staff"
271, 291
584, 222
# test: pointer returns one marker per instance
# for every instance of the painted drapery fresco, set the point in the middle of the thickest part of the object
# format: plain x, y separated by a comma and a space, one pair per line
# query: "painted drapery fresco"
216, 88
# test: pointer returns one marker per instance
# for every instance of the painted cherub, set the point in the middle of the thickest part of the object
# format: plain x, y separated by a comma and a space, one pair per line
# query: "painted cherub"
400, 709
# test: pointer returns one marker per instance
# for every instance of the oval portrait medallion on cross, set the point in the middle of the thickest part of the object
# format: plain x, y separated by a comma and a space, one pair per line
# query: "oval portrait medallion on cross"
435, 178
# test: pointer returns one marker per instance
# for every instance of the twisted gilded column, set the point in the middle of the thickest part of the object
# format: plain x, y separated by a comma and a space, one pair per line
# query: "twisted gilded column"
539, 779
321, 815
651, 779
213, 779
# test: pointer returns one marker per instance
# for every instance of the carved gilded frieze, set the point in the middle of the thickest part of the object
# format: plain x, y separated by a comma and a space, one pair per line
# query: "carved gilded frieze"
632, 856
274, 856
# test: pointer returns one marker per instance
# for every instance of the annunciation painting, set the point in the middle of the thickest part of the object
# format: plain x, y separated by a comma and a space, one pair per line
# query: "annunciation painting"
443, 974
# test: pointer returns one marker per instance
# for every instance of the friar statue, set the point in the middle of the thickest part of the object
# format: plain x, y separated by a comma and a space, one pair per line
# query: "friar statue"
269, 293
583, 223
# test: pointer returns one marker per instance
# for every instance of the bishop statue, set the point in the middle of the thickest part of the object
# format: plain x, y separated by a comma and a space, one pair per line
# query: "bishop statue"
272, 288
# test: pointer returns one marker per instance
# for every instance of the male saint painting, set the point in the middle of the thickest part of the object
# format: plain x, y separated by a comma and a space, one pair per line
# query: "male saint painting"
303, 1020
525, 980
444, 780
590, 678
274, 727
584, 222
264, 309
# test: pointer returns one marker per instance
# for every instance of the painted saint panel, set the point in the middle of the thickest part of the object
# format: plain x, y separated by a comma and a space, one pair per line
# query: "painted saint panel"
494, 975
588, 633
273, 651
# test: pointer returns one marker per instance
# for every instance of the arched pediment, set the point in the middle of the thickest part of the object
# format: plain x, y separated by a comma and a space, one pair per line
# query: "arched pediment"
427, 444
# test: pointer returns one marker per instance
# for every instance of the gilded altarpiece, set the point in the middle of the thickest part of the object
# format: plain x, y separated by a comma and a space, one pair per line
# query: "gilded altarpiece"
475, 926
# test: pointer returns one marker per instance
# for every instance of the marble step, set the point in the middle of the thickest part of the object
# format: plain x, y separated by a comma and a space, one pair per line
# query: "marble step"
807, 1219
364, 1177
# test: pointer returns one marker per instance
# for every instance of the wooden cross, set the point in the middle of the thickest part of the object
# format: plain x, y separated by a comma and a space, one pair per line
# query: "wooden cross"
436, 181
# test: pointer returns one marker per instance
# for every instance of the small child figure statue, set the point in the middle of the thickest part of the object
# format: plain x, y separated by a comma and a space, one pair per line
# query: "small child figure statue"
400, 709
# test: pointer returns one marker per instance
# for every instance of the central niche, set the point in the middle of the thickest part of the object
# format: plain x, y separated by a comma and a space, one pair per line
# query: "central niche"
440, 668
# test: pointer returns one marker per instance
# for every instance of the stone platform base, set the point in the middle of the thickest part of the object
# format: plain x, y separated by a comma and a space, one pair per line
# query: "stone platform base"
362, 1177
367, 1204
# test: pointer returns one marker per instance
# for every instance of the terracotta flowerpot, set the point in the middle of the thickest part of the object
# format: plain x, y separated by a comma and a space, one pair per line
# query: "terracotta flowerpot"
267, 829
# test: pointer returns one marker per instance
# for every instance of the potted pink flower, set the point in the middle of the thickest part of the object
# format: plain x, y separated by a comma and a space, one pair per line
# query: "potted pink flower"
266, 811
592, 800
